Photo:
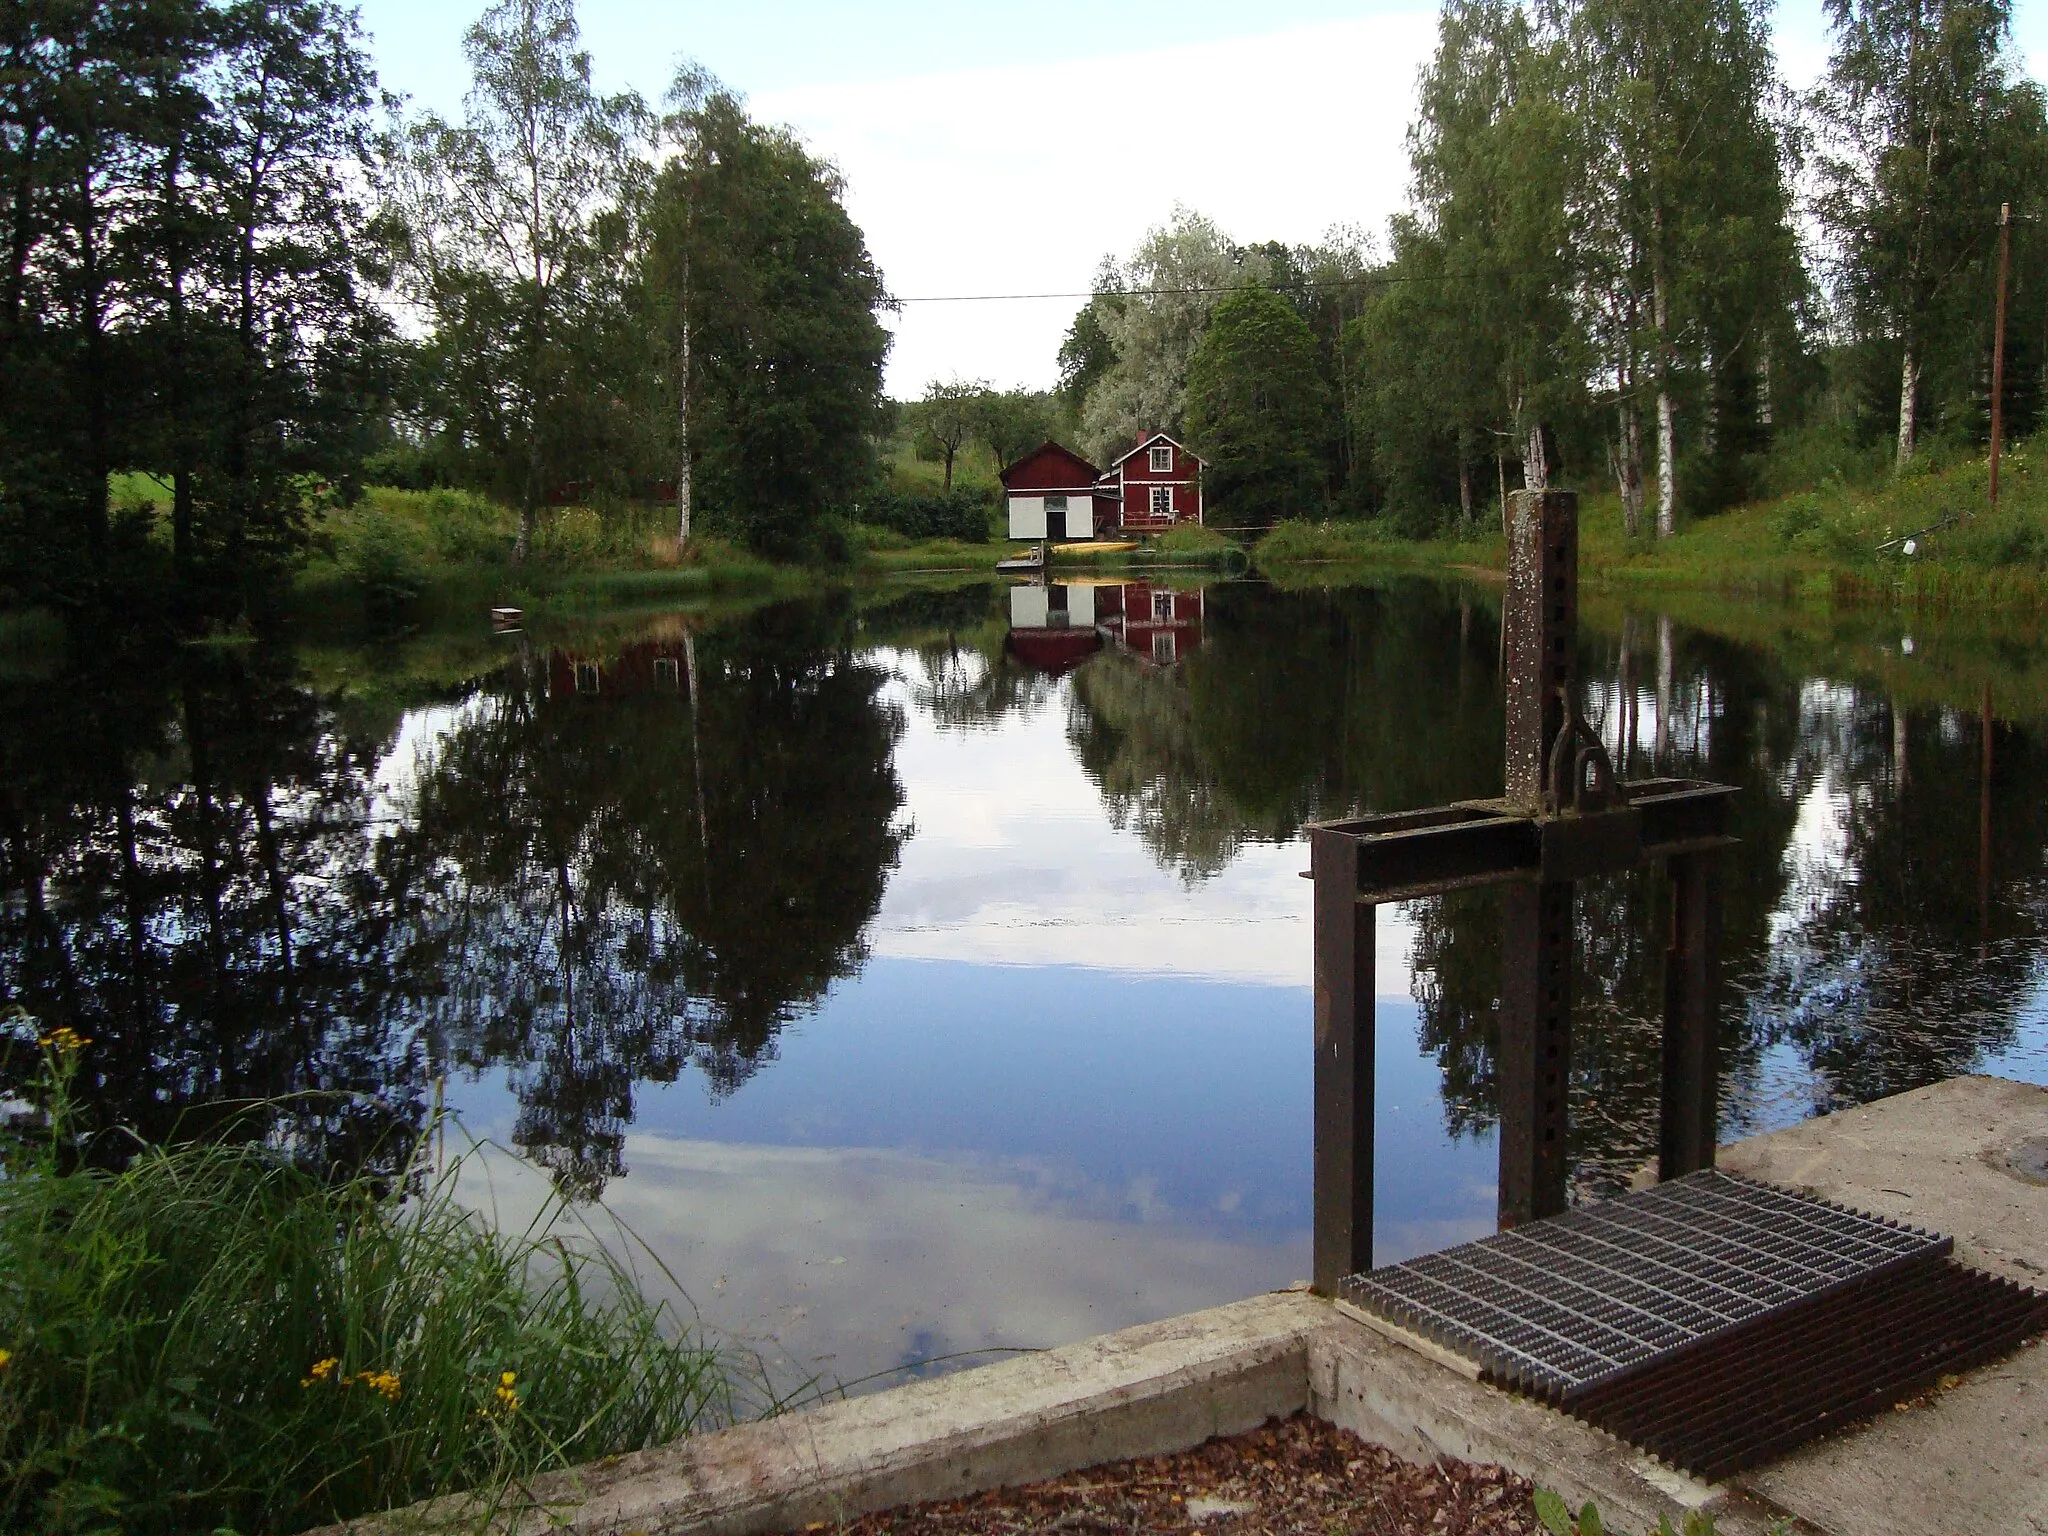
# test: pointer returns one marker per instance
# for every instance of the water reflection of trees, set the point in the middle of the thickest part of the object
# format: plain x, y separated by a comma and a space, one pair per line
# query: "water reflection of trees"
1296, 706
190, 882
1900, 956
205, 874
623, 886
1869, 964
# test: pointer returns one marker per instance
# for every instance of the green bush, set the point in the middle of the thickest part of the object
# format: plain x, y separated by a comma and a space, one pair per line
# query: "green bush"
405, 466
465, 528
1798, 517
570, 535
960, 514
213, 1339
381, 556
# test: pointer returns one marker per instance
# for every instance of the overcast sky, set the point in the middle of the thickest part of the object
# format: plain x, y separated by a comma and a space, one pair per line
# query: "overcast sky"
1004, 149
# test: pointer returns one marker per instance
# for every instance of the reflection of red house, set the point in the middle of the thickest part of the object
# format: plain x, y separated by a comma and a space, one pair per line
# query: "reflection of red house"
652, 666
1056, 627
1154, 623
1052, 628
1157, 484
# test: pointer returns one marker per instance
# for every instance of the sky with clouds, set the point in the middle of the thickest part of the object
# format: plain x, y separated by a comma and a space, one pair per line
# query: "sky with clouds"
1005, 149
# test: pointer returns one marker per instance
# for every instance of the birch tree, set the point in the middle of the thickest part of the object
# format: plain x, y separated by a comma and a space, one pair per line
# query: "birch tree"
511, 228
1174, 281
1676, 181
1914, 96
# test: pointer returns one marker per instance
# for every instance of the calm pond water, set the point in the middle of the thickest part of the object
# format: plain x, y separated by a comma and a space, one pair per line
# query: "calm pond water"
927, 972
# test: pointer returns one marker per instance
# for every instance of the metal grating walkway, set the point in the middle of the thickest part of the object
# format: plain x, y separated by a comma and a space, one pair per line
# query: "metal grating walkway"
1712, 1319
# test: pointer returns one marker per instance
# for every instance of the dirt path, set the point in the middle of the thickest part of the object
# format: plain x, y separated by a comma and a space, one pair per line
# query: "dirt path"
1297, 1477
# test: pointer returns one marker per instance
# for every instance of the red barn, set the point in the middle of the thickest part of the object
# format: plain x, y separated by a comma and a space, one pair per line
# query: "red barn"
1157, 484
1056, 494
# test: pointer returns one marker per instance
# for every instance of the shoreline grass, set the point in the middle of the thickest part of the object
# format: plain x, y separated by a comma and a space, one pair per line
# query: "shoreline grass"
212, 1339
1841, 545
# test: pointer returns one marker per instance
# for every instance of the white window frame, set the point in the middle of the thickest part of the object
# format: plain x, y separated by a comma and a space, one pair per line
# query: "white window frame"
668, 672
1163, 647
588, 670
1162, 607
1056, 502
1162, 501
1161, 460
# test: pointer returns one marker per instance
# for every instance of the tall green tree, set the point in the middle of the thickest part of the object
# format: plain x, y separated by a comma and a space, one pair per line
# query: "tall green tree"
1258, 410
183, 288
514, 232
748, 236
1678, 207
1928, 132
945, 419
1086, 352
291, 89
1012, 422
1473, 333
1170, 286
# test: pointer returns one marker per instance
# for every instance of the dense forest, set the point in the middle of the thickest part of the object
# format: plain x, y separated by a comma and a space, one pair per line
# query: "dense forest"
232, 268
1622, 224
236, 271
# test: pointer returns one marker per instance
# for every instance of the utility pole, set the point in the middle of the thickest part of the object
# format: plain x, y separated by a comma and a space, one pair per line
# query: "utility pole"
1998, 346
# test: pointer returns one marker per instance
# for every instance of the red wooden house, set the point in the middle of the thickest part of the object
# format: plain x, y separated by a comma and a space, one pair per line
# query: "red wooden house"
1156, 484
1055, 494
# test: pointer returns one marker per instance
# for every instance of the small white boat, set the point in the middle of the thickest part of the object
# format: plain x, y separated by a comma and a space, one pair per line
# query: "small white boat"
1030, 560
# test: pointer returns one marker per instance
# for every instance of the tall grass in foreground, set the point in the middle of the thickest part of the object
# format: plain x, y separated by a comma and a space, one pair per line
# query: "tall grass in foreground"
212, 1339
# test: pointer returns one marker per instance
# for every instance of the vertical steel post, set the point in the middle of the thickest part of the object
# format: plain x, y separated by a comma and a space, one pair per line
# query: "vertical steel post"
1689, 1121
1344, 1062
1540, 617
1534, 1076
1540, 627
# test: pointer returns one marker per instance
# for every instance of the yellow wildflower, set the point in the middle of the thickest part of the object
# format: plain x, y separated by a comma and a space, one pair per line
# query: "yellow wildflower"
5, 1356
380, 1381
508, 1399
320, 1370
64, 1038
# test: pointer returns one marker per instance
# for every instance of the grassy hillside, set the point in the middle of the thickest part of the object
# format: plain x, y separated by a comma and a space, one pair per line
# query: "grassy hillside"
1846, 541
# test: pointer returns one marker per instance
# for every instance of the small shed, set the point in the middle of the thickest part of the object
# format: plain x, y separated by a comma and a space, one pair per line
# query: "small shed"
1053, 493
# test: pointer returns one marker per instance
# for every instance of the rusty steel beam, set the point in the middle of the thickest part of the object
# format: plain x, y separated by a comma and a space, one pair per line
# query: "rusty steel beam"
1533, 1073
1690, 1117
1345, 1038
1540, 626
1479, 842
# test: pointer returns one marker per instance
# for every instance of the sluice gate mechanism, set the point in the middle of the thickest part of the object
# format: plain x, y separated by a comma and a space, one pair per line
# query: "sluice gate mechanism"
1714, 1321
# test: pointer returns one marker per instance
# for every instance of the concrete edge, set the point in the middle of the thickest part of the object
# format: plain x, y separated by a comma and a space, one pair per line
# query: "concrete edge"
1143, 1391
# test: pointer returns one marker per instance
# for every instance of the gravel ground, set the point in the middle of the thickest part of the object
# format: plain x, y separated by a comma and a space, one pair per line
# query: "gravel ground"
1291, 1478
